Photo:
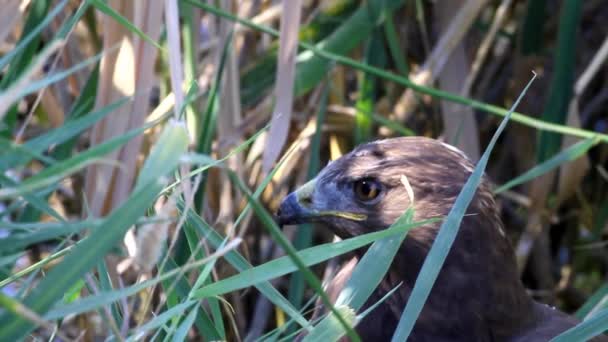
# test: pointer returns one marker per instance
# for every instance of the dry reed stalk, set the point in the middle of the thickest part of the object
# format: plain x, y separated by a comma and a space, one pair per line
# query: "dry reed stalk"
120, 75
459, 125
288, 49
571, 174
10, 16
442, 51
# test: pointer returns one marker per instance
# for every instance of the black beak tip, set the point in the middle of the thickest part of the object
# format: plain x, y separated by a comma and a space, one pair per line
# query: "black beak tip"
289, 211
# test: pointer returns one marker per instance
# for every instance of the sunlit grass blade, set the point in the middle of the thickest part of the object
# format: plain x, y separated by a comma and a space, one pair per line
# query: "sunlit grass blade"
58, 171
309, 256
584, 331
571, 153
163, 159
60, 135
598, 300
446, 236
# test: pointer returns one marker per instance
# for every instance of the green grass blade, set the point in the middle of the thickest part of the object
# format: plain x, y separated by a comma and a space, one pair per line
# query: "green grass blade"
309, 256
57, 136
366, 276
571, 153
560, 93
55, 173
184, 327
585, 330
600, 296
446, 236
21, 240
161, 319
79, 261
303, 236
31, 199
33, 33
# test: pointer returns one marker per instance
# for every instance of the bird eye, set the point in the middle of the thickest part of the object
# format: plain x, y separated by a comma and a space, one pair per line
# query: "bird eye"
367, 189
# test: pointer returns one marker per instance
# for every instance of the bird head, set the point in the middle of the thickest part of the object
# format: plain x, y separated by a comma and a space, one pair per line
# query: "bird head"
364, 191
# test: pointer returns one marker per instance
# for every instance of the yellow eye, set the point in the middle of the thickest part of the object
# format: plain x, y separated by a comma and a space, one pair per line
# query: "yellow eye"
367, 189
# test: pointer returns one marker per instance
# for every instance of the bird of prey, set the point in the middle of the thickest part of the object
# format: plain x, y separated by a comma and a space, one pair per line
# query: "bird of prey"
478, 295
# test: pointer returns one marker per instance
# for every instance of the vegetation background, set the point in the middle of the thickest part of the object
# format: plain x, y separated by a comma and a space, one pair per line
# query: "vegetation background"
144, 145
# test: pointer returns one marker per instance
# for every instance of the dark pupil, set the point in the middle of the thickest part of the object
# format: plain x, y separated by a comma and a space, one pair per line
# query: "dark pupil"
366, 188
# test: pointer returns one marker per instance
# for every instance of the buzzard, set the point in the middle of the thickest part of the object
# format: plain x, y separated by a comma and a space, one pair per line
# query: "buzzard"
478, 295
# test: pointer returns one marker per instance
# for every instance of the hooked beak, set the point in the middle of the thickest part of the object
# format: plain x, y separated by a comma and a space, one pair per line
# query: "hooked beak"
297, 208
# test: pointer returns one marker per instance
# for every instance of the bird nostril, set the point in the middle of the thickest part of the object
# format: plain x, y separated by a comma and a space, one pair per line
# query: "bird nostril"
306, 201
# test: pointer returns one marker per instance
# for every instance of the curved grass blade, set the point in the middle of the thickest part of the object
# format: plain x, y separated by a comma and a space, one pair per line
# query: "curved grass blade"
587, 329
445, 238
571, 153
309, 256
36, 146
55, 173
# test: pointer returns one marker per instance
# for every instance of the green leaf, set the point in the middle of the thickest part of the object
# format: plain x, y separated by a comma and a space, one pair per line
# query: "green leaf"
309, 256
571, 153
560, 92
585, 330
36, 146
182, 330
161, 319
55, 173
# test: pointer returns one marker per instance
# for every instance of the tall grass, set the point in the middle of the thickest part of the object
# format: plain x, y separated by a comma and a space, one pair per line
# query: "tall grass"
79, 201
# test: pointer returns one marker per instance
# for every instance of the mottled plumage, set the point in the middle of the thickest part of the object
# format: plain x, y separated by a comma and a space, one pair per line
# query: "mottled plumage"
478, 295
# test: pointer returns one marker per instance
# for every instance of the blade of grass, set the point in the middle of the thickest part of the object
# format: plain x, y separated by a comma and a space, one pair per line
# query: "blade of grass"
309, 256
571, 153
374, 55
446, 236
585, 330
560, 93
600, 295
303, 236
241, 264
57, 136
55, 173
